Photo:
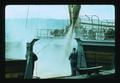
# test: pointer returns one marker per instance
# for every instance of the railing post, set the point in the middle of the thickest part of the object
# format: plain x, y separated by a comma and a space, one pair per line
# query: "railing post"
98, 24
86, 29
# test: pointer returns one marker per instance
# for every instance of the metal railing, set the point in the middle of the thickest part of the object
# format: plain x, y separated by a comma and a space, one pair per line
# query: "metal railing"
92, 29
50, 33
96, 29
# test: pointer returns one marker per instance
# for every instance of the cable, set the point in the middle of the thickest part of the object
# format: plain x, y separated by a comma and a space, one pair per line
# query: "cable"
27, 17
39, 51
46, 46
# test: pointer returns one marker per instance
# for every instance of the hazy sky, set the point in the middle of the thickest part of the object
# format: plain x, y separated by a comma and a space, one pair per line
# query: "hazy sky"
58, 11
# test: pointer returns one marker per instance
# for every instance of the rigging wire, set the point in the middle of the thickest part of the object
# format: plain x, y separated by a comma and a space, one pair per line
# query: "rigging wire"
27, 17
40, 51
44, 47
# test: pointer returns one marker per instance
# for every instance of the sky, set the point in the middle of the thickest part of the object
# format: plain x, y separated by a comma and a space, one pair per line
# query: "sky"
57, 11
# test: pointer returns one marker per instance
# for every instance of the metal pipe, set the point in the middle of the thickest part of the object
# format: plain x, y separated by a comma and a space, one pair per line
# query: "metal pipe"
95, 16
87, 17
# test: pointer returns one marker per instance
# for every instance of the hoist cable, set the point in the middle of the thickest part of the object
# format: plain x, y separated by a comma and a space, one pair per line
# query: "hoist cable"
27, 17
39, 51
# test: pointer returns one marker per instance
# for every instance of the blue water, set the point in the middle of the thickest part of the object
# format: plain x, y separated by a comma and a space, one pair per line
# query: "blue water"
51, 59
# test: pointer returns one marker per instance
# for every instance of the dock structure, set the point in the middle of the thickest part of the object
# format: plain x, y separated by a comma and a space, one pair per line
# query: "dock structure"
85, 30
15, 68
102, 75
98, 52
96, 44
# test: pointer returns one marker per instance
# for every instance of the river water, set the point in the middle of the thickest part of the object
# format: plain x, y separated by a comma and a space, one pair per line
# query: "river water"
53, 53
52, 59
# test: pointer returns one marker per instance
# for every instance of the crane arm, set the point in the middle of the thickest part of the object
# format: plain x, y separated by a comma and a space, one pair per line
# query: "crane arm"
73, 13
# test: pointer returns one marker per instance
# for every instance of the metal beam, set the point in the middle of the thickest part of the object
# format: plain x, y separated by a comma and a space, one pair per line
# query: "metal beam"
98, 24
74, 13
